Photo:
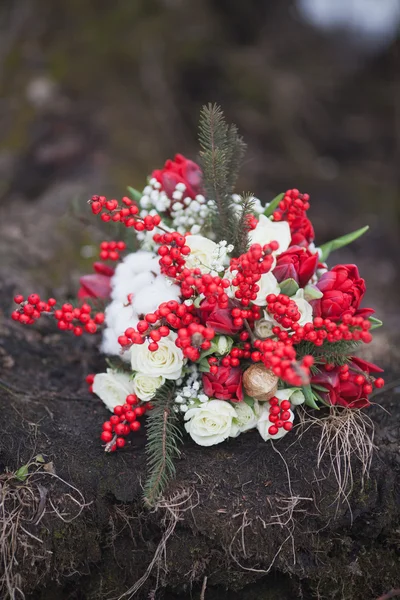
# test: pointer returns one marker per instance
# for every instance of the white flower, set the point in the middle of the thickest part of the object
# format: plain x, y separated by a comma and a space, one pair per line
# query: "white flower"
145, 386
263, 327
112, 387
222, 344
268, 231
263, 423
211, 423
268, 285
166, 362
245, 419
304, 307
202, 253
295, 396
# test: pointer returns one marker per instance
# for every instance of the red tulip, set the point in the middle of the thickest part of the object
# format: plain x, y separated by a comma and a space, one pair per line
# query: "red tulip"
226, 384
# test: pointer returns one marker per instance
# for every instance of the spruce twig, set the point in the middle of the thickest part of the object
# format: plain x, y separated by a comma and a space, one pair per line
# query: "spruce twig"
241, 242
163, 438
221, 152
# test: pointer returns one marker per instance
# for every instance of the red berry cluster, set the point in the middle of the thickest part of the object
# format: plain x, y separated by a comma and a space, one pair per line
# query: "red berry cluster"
283, 309
193, 283
126, 214
78, 319
111, 250
240, 315
250, 266
154, 326
31, 309
324, 330
193, 339
280, 357
230, 360
279, 415
172, 251
122, 422
292, 206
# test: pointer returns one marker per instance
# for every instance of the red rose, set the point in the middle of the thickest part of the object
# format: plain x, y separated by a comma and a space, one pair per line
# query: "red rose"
346, 393
343, 289
219, 319
96, 285
302, 232
180, 170
224, 385
296, 263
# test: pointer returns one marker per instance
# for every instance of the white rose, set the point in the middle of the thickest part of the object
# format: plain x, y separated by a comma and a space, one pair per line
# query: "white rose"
295, 396
166, 362
222, 344
268, 231
263, 327
145, 386
268, 285
263, 423
203, 252
112, 387
304, 307
245, 419
211, 423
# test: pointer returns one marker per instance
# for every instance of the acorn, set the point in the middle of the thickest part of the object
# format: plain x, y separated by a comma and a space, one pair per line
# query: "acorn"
260, 383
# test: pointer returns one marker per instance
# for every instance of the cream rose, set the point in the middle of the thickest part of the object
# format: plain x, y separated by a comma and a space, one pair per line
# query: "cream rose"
245, 419
295, 396
145, 386
263, 423
304, 307
268, 231
268, 285
166, 362
112, 387
211, 423
203, 253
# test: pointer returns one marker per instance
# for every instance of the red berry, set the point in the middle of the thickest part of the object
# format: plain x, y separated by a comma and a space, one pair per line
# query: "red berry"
273, 430
135, 426
379, 383
18, 299
120, 442
106, 436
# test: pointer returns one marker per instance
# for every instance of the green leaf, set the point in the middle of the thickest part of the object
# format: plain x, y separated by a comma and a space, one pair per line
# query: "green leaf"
289, 287
375, 323
340, 242
309, 397
134, 194
320, 388
22, 473
320, 399
273, 205
39, 458
203, 366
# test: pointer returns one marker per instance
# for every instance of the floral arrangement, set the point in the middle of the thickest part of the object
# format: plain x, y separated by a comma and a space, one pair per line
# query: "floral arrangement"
225, 319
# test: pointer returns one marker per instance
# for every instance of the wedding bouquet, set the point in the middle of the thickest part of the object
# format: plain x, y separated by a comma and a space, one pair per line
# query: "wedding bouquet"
225, 319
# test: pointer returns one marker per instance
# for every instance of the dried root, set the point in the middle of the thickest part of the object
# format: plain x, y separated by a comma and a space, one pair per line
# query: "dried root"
174, 508
24, 500
347, 436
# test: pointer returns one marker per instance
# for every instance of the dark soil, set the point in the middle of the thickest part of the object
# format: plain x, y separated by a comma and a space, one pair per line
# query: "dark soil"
350, 551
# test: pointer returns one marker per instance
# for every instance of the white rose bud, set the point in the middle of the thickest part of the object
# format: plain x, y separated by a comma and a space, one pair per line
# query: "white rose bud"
245, 419
145, 386
268, 285
166, 362
202, 253
294, 395
211, 423
112, 387
222, 344
304, 307
268, 231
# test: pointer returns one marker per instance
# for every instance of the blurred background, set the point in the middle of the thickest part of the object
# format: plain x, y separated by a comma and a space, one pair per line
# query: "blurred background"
96, 94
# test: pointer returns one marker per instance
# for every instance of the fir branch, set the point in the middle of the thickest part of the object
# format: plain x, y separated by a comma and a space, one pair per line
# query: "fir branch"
241, 241
163, 438
337, 353
221, 152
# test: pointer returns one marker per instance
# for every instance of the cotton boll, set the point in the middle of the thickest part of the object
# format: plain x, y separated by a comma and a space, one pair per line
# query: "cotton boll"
149, 298
142, 262
131, 284
109, 345
127, 317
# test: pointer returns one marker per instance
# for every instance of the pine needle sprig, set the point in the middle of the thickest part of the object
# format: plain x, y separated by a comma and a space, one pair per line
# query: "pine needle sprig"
337, 353
221, 152
163, 438
241, 242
